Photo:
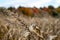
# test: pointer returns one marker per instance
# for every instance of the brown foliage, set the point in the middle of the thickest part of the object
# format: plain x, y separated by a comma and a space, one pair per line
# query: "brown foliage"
26, 11
58, 10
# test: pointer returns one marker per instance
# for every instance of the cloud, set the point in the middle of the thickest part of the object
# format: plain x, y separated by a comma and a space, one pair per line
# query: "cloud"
29, 3
40, 3
13, 2
58, 1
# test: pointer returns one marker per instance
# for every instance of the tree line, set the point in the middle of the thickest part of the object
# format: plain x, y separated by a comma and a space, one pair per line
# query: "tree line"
51, 10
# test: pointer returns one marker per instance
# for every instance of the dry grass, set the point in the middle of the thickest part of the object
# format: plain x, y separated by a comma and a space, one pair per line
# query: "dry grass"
13, 27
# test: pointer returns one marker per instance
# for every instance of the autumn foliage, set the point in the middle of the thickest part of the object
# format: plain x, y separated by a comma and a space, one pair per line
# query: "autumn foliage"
28, 11
58, 10
36, 11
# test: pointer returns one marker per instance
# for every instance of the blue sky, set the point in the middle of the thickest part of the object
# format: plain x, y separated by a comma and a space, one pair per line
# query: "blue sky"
29, 3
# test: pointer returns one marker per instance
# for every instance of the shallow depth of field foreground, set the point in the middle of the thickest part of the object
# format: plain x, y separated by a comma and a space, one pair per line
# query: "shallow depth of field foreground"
23, 27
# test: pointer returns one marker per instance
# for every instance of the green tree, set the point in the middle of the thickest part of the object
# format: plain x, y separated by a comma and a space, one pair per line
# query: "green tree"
53, 11
11, 8
51, 7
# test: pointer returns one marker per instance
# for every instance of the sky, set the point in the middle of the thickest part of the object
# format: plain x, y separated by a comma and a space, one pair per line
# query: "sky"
29, 3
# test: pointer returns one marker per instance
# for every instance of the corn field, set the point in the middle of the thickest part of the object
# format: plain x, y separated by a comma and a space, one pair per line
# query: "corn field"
23, 27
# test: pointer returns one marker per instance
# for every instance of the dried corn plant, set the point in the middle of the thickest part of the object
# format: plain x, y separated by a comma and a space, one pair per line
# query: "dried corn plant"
13, 27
